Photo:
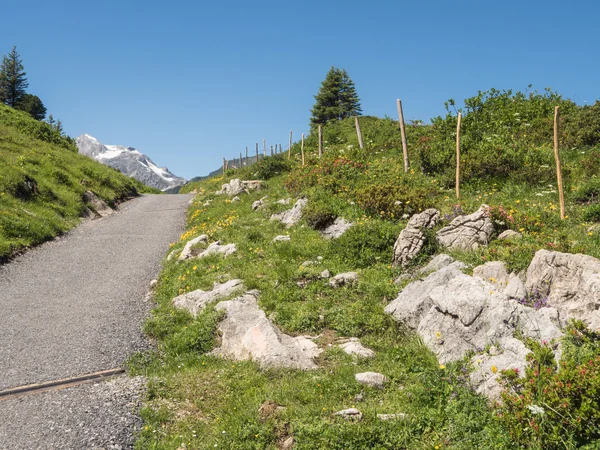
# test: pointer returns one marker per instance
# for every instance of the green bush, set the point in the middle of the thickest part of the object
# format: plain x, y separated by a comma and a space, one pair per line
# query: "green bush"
589, 191
366, 243
551, 408
591, 213
271, 166
318, 214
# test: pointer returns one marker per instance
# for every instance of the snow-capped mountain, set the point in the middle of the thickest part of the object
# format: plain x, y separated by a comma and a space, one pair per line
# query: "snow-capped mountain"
129, 161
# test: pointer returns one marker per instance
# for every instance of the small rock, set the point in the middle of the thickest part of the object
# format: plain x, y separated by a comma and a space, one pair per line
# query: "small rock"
509, 234
354, 348
291, 216
216, 248
236, 199
258, 204
350, 414
268, 409
386, 417
373, 379
187, 250
337, 228
288, 444
359, 397
196, 300
325, 274
97, 204
344, 279
282, 238
284, 201
153, 283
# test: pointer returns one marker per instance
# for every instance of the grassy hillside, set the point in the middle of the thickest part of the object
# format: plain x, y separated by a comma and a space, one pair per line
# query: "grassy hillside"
42, 180
199, 401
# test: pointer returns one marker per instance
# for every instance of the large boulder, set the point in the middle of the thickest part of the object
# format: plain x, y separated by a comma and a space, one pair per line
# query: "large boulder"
195, 301
247, 334
439, 262
411, 239
468, 232
571, 284
291, 216
336, 229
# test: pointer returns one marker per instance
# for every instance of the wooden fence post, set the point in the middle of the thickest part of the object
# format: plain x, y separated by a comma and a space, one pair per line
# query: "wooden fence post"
246, 157
279, 148
241, 163
320, 140
403, 135
290, 147
561, 194
358, 133
265, 147
224, 167
458, 155
302, 149
257, 152
271, 150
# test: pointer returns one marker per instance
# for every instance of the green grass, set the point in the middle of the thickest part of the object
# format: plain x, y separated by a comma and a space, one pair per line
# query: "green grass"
200, 401
61, 176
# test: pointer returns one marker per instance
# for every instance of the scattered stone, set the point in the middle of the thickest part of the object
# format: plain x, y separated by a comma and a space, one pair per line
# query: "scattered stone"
236, 187
403, 277
282, 238
246, 333
153, 283
337, 228
509, 234
268, 409
515, 288
467, 232
259, 204
195, 301
350, 414
97, 205
291, 216
236, 199
216, 248
359, 397
309, 263
397, 416
284, 201
344, 279
571, 283
186, 253
288, 444
171, 255
353, 347
325, 274
413, 302
373, 379
28, 188
411, 239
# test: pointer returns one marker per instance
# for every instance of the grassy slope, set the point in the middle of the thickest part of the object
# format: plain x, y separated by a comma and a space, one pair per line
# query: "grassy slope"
199, 401
31, 150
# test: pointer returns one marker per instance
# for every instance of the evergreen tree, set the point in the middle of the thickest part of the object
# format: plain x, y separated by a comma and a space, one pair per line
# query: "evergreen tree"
337, 98
32, 105
12, 78
58, 127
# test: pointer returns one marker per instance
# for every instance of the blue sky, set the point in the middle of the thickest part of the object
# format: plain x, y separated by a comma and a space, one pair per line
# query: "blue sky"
188, 82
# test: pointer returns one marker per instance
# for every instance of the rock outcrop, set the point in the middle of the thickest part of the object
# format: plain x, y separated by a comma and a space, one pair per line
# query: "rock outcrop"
186, 253
411, 239
570, 282
344, 279
353, 347
247, 334
195, 301
97, 205
237, 187
467, 232
336, 229
292, 216
216, 248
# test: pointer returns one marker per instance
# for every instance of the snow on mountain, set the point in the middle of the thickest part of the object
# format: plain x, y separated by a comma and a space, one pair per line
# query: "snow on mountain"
129, 161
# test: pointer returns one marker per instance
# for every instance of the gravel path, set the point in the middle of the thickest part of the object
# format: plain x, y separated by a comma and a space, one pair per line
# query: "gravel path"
76, 305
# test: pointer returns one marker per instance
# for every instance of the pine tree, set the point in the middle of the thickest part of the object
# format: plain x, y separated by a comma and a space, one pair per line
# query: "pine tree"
32, 105
12, 78
51, 120
336, 100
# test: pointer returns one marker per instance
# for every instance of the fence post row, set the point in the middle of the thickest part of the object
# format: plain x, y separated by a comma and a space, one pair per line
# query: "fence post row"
403, 135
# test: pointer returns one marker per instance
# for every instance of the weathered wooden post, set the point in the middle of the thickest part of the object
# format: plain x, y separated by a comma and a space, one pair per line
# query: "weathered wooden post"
403, 135
279, 148
320, 140
559, 181
271, 150
257, 152
246, 163
224, 166
458, 155
302, 149
290, 147
358, 133
265, 147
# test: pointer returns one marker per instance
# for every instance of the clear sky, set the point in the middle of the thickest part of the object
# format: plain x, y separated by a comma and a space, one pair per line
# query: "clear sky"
188, 82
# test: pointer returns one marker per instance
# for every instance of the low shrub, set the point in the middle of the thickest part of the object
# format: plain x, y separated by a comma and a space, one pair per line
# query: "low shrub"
272, 166
591, 213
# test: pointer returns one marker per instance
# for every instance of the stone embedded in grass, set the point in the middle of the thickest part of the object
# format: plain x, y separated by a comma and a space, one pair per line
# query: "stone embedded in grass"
187, 250
353, 347
344, 279
258, 204
287, 444
509, 234
247, 334
236, 199
439, 262
468, 232
411, 239
217, 249
196, 301
373, 379
337, 228
325, 274
153, 283
284, 201
291, 216
97, 204
282, 238
570, 282
237, 187
396, 416
352, 414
